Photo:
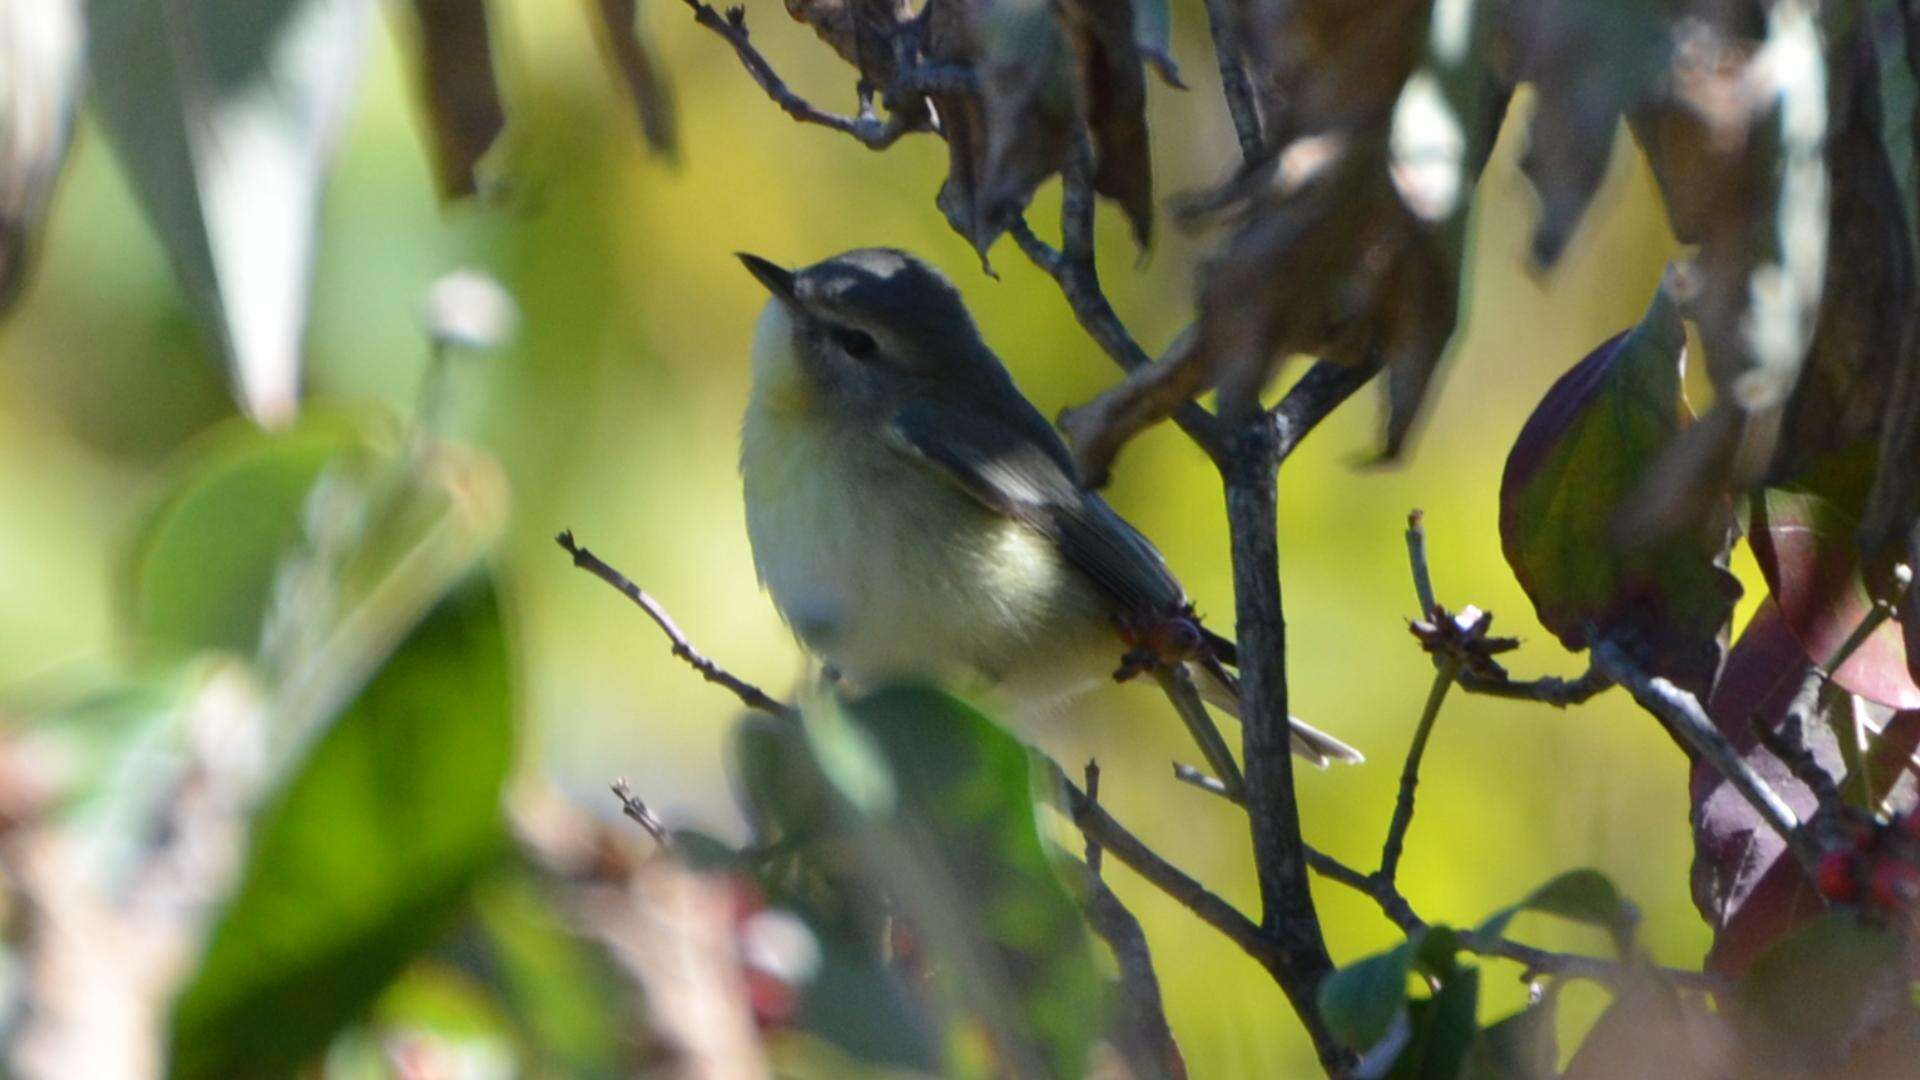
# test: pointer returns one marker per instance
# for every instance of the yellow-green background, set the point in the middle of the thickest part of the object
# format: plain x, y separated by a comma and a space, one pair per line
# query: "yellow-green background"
616, 412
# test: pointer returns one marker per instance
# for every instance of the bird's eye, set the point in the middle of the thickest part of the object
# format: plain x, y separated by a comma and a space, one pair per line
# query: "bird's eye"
856, 343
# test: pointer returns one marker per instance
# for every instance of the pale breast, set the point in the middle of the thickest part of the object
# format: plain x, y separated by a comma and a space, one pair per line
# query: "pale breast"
886, 571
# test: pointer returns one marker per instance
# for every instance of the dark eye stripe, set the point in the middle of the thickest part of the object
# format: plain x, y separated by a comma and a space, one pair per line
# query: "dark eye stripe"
857, 343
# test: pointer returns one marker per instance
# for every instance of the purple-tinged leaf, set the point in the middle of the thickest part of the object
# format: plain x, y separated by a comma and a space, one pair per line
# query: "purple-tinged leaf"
1803, 538
1581, 457
1746, 886
1748, 889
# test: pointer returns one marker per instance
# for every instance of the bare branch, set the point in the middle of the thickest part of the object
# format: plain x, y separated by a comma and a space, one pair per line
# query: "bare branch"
1098, 826
1557, 692
1681, 713
1443, 677
1223, 23
1325, 387
750, 695
1279, 854
1141, 1028
1417, 560
639, 812
1072, 267
1536, 962
872, 132
1179, 688
1547, 689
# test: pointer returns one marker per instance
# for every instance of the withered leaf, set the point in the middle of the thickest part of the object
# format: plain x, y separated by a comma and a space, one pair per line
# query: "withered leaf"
1588, 61
1039, 70
618, 32
461, 92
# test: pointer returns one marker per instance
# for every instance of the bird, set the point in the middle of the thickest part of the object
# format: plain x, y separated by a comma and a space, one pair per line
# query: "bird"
915, 518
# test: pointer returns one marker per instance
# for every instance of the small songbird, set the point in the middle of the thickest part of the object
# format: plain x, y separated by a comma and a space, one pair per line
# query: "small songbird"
913, 516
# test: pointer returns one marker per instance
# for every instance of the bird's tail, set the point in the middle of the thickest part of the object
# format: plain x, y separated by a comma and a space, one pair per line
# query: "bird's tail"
1222, 690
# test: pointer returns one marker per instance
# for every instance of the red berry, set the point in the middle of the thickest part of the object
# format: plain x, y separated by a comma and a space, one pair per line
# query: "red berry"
1894, 885
1835, 877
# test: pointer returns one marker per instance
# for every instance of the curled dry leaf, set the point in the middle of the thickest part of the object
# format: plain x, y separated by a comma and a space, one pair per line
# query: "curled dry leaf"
1037, 73
1856, 352
618, 31
1347, 242
1588, 61
1574, 466
459, 89
41, 49
1739, 149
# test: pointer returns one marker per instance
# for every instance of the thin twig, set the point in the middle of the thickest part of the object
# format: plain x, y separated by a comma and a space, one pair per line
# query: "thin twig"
1097, 825
1325, 387
1417, 560
1410, 772
1206, 782
1533, 960
750, 695
1224, 25
641, 814
1079, 283
1680, 711
1092, 775
1547, 689
1141, 1031
1557, 692
873, 133
1178, 686
1788, 743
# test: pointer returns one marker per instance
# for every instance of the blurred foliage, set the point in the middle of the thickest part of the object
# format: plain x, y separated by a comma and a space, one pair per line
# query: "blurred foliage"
261, 691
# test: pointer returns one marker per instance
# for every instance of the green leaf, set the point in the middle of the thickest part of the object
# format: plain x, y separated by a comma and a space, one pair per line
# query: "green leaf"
223, 116
962, 855
778, 786
1520, 1047
365, 855
202, 568
1442, 1029
561, 992
1809, 995
1361, 1001
1585, 451
1583, 896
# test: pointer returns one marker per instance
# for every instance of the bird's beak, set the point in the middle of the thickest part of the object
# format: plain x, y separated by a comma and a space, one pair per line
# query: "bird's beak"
779, 281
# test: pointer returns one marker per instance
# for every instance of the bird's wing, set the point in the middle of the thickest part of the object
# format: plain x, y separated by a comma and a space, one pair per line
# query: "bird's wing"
1012, 474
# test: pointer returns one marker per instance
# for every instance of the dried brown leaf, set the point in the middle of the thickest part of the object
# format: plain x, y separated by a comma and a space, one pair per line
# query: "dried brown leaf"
460, 90
619, 36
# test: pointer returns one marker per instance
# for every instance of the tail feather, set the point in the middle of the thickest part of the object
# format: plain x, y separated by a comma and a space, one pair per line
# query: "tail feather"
1221, 690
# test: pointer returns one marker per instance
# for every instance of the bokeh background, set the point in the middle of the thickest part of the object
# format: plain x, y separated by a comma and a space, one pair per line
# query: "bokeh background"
615, 413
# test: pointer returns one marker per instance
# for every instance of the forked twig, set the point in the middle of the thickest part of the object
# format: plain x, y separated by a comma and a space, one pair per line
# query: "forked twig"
750, 695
